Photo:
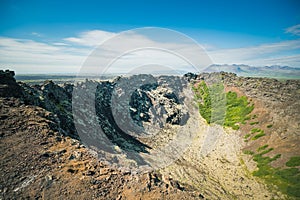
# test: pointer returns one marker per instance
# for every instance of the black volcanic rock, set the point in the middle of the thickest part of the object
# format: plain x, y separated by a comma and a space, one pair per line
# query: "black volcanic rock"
8, 85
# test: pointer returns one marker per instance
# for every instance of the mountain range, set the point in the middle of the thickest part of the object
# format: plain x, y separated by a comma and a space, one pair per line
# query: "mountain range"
273, 71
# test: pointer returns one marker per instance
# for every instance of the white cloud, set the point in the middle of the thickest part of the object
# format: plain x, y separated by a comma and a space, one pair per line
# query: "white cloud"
295, 30
29, 56
36, 34
142, 46
60, 44
257, 55
292, 60
91, 38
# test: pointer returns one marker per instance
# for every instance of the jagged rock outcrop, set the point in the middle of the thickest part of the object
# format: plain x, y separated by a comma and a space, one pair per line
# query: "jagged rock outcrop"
121, 113
8, 85
121, 123
54, 98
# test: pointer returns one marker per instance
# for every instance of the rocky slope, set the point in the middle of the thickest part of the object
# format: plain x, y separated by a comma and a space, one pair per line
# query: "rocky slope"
121, 131
39, 161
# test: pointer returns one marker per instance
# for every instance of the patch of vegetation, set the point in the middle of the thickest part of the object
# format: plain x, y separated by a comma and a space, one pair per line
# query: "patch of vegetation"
253, 123
287, 180
216, 106
254, 117
255, 130
258, 135
248, 152
277, 156
266, 151
293, 162
237, 110
269, 126
247, 136
262, 147
259, 131
202, 93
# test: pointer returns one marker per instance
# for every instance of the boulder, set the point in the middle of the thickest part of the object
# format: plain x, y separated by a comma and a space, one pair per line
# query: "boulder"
8, 85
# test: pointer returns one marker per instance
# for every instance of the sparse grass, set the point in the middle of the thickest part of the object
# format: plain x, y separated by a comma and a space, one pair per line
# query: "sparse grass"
293, 162
254, 117
262, 147
247, 136
248, 152
255, 130
259, 131
258, 135
253, 123
269, 126
287, 180
277, 156
266, 151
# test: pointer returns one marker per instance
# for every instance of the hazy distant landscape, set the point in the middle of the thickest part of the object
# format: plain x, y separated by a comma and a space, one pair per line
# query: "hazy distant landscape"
40, 78
278, 72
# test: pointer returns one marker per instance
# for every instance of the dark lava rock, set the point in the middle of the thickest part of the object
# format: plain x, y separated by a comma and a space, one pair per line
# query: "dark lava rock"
8, 85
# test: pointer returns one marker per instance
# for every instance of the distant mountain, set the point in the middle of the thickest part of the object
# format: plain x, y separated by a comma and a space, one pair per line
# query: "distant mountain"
274, 71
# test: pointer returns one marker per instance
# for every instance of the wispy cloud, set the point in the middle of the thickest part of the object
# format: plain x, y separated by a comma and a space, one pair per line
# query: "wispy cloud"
36, 34
91, 38
295, 30
68, 54
28, 56
259, 55
60, 44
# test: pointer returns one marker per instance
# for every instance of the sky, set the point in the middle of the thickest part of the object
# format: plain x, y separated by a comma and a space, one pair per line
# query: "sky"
39, 36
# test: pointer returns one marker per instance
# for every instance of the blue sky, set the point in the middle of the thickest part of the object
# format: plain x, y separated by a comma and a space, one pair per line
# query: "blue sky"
224, 28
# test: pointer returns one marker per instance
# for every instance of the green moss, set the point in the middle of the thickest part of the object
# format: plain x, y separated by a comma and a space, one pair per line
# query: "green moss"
247, 136
266, 151
259, 131
255, 130
269, 126
294, 190
202, 95
216, 106
253, 123
277, 156
293, 162
248, 152
254, 117
286, 180
258, 135
237, 110
262, 147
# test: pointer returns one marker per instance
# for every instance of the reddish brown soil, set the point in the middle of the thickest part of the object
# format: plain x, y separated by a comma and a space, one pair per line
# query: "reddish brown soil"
37, 162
